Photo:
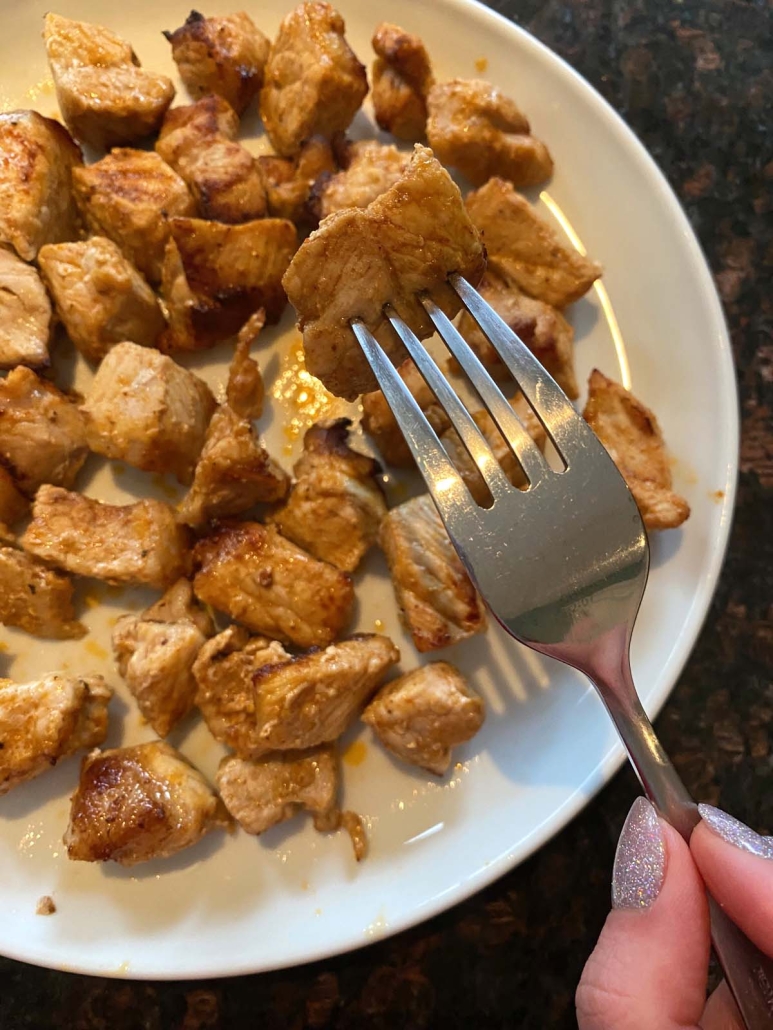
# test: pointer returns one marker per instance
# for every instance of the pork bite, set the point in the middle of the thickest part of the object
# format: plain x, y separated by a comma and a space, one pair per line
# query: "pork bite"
129, 197
420, 717
145, 409
42, 433
474, 127
336, 505
48, 719
105, 97
256, 698
313, 83
35, 598
222, 54
370, 169
290, 181
100, 296
631, 434
404, 243
245, 390
216, 276
199, 142
25, 314
402, 79
155, 653
136, 803
131, 543
37, 158
250, 572
438, 604
525, 251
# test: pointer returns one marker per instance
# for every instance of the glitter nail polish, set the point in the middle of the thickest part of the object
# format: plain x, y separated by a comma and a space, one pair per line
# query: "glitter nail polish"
640, 859
735, 832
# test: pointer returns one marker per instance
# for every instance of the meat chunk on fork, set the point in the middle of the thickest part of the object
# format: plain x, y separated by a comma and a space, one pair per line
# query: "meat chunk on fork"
48, 719
313, 82
137, 803
101, 298
36, 599
129, 196
405, 242
420, 717
133, 543
145, 409
199, 142
222, 54
105, 97
524, 250
250, 572
42, 433
370, 169
473, 126
290, 181
402, 79
438, 604
37, 158
216, 276
256, 698
155, 653
336, 505
631, 434
25, 314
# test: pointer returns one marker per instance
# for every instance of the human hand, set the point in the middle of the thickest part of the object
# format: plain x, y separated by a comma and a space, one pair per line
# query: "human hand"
649, 968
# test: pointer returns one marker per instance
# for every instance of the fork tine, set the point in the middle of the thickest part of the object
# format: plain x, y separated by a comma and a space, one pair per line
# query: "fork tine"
446, 486
520, 442
569, 432
474, 441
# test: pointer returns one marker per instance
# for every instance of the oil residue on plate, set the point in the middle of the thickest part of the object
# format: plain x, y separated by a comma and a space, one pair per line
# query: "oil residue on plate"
303, 397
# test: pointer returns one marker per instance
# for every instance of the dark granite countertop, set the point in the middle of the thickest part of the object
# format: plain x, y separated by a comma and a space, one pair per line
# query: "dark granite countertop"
694, 79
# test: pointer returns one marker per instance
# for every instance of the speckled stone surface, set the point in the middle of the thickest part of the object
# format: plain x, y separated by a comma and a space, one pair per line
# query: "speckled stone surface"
694, 79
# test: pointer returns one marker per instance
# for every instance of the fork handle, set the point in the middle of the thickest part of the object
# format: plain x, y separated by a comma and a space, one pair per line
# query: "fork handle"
748, 972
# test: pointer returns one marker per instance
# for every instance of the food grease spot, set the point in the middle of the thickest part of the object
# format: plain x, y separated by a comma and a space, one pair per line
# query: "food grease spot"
481, 64
95, 650
378, 927
356, 753
717, 496
303, 395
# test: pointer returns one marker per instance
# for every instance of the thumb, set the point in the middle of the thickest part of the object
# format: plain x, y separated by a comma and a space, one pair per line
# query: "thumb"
649, 968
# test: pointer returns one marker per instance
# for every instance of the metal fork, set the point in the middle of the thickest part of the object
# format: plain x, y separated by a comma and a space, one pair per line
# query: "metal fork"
562, 565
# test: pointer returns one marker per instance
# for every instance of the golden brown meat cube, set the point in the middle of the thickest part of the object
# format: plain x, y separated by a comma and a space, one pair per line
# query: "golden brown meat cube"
256, 698
136, 803
421, 716
131, 543
145, 409
313, 83
155, 653
405, 242
438, 604
371, 169
631, 434
379, 422
402, 78
13, 504
25, 314
42, 434
250, 572
270, 790
290, 181
199, 142
222, 54
474, 127
542, 328
245, 390
100, 296
48, 719
37, 158
105, 97
216, 276
525, 251
129, 196
35, 598
336, 505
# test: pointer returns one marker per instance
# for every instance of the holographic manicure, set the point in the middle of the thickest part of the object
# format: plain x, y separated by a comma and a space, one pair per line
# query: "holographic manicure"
640, 859
735, 832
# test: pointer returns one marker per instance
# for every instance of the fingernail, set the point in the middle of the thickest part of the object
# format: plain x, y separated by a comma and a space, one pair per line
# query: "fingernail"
640, 859
735, 832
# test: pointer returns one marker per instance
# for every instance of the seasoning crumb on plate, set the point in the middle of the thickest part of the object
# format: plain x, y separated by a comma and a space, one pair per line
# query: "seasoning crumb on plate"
45, 906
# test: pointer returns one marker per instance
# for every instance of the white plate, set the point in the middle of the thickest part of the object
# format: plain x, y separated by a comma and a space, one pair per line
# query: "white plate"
239, 904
